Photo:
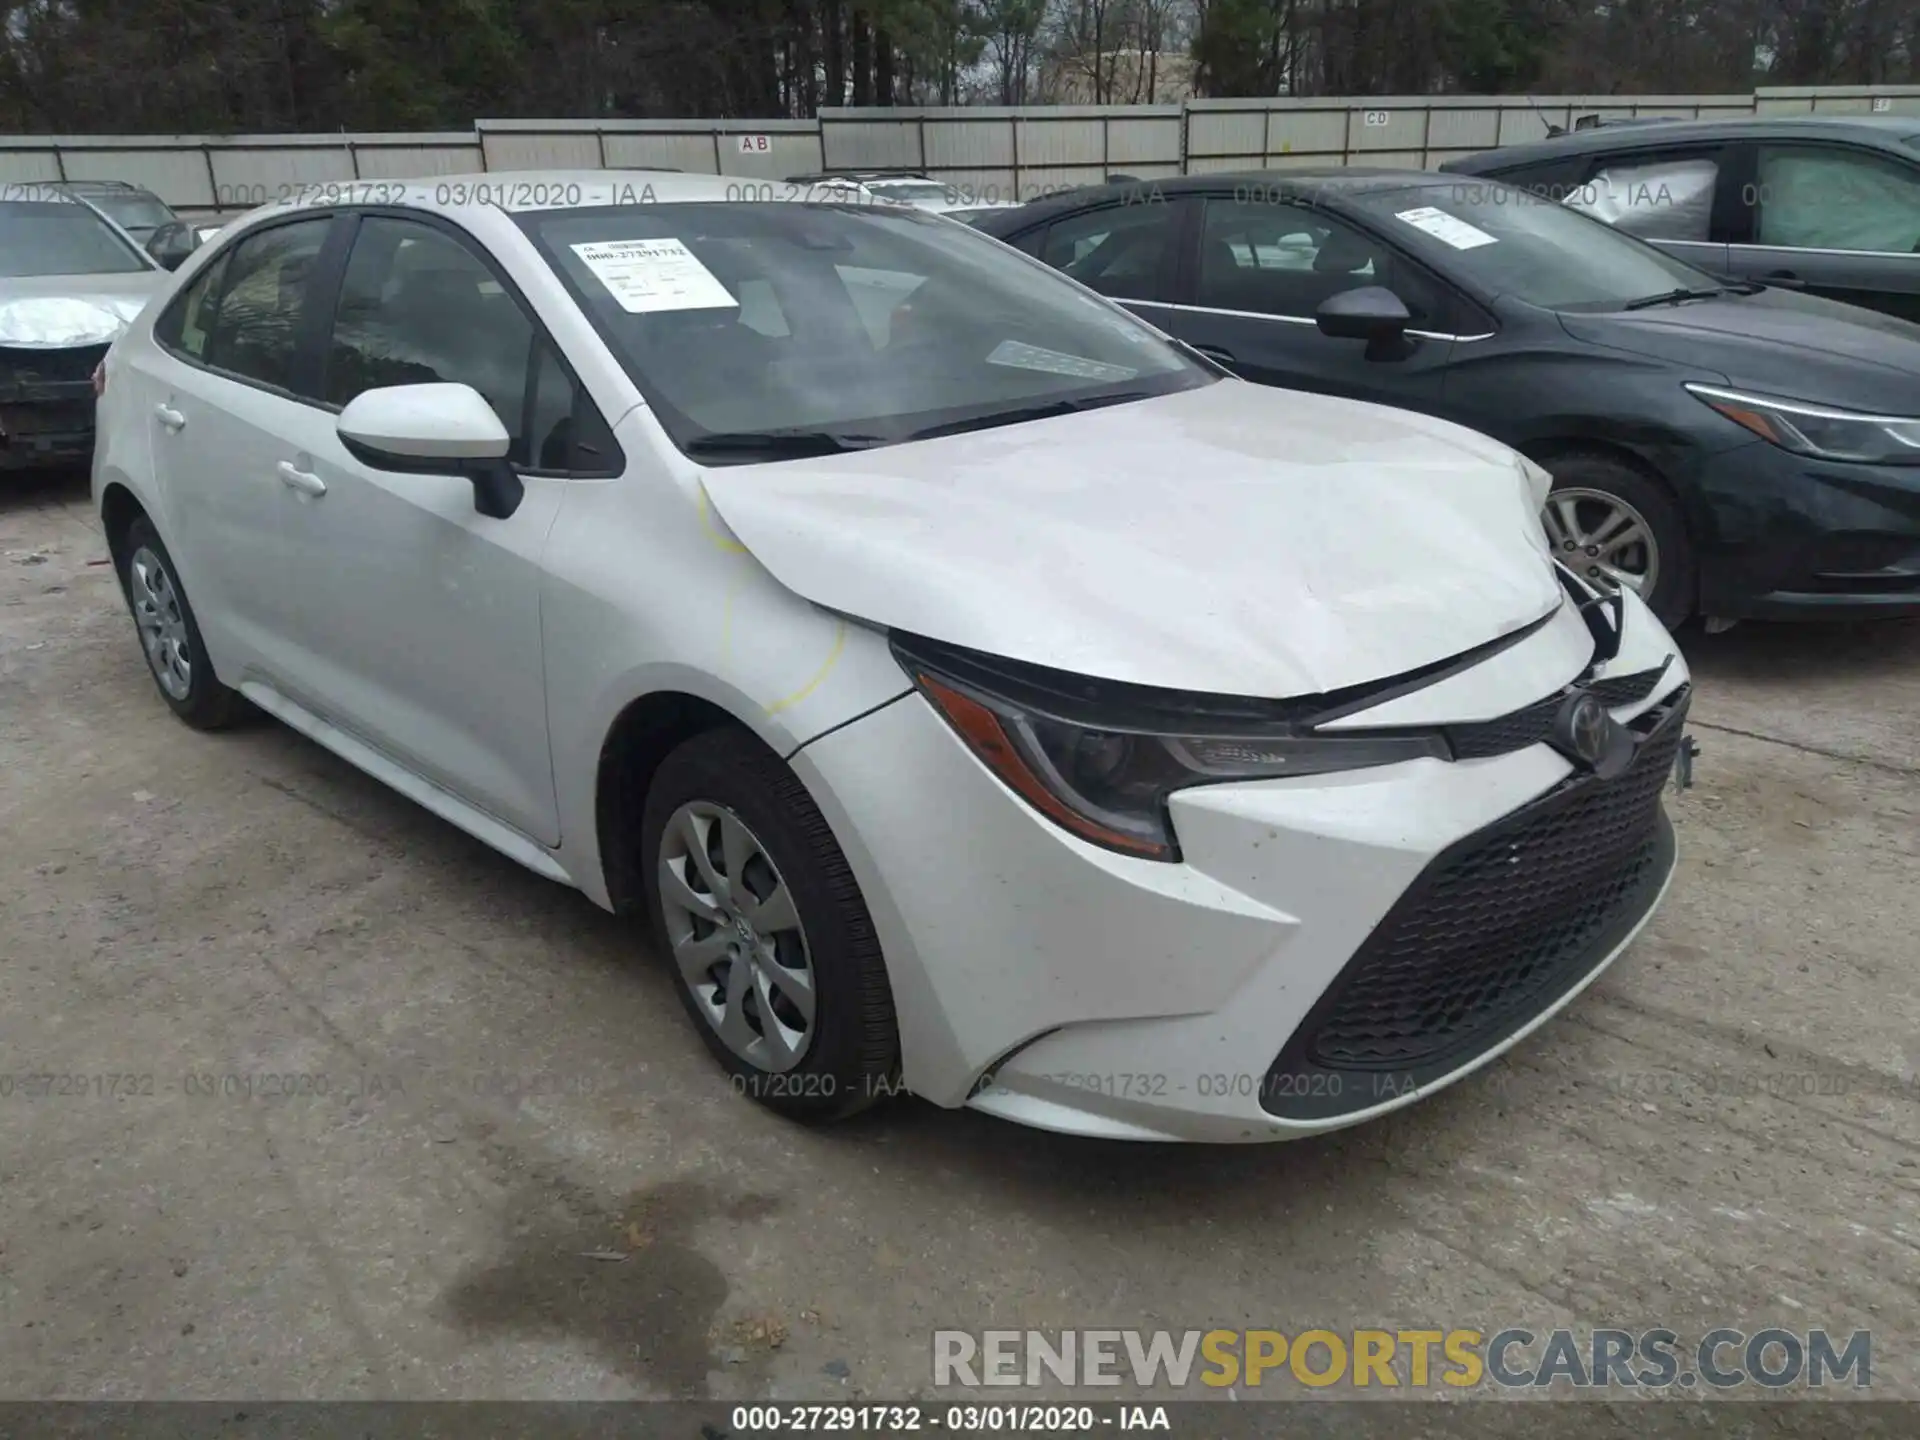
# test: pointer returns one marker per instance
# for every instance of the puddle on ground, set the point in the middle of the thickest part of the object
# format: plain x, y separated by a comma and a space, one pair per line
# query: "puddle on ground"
650, 1315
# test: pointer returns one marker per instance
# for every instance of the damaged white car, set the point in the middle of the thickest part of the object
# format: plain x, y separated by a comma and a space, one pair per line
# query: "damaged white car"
980, 695
70, 281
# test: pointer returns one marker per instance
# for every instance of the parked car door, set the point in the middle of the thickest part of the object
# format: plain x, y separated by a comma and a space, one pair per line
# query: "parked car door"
223, 387
1843, 221
1260, 270
1681, 198
456, 694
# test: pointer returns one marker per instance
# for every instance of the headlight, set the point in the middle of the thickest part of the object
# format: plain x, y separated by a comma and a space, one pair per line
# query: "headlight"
1099, 758
1817, 431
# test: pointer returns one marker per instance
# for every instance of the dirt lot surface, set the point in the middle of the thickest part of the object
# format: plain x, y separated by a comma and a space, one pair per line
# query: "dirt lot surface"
525, 1178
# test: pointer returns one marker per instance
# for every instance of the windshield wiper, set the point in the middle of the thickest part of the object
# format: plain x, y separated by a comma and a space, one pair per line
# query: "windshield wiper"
778, 444
1674, 297
1021, 414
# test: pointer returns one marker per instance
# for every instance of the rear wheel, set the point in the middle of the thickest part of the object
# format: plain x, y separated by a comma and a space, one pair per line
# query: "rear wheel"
1618, 528
759, 916
169, 635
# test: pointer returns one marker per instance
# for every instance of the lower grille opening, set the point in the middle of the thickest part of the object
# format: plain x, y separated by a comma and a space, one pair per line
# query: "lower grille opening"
1493, 932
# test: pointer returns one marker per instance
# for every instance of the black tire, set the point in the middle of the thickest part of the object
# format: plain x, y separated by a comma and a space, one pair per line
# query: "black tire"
1674, 591
852, 1053
206, 704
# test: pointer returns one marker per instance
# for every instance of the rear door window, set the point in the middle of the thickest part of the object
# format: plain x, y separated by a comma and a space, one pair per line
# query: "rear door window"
1657, 197
262, 296
1119, 250
188, 322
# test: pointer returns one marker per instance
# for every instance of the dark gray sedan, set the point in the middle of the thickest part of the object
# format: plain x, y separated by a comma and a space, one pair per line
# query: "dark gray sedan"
1828, 204
1727, 449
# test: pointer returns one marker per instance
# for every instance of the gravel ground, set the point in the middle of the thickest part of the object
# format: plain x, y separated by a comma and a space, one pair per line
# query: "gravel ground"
1724, 1131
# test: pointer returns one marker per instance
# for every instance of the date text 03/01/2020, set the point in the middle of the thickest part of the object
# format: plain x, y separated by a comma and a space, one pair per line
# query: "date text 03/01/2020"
954, 1419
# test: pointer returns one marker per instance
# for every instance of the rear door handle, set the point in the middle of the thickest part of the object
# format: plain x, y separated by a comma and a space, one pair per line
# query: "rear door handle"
305, 481
171, 418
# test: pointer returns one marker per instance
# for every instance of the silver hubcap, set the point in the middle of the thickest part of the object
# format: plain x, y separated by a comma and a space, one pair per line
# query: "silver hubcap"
163, 629
1602, 539
736, 936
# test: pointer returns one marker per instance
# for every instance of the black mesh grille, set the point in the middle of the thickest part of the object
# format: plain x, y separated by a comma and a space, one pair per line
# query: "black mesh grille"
1627, 689
1531, 726
58, 365
1505, 733
1492, 933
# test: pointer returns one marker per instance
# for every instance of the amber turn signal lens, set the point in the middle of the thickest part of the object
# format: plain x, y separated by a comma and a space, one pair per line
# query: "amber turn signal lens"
986, 735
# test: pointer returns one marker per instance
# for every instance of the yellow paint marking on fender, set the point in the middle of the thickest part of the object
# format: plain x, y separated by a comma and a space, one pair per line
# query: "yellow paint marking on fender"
712, 530
833, 658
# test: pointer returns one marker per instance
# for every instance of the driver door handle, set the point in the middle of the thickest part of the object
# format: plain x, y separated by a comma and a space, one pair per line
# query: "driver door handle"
305, 481
171, 418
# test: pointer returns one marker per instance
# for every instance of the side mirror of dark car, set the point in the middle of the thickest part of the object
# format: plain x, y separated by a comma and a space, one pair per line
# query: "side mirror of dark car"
1372, 313
171, 243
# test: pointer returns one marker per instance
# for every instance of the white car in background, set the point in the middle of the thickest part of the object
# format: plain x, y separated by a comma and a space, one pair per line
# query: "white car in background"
70, 281
996, 702
905, 187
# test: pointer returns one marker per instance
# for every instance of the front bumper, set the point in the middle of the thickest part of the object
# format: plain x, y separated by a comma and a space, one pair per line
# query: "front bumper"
1222, 998
46, 405
1799, 539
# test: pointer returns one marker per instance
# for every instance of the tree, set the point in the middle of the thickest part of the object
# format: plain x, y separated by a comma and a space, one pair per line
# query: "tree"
1010, 29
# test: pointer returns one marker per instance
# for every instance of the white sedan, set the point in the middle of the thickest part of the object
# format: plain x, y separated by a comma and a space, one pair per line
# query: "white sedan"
978, 694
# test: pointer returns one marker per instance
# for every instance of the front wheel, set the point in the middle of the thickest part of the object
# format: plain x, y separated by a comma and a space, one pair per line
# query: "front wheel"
757, 913
1617, 528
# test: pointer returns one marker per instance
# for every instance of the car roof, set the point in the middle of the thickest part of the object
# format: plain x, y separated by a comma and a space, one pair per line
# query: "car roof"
1882, 131
1305, 183
858, 175
516, 191
101, 187
43, 192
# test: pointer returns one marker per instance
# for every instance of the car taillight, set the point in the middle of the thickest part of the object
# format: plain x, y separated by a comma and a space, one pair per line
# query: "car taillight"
99, 379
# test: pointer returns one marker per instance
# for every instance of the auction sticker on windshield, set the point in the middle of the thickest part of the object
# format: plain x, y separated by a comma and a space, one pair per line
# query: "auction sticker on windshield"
1022, 356
1445, 228
650, 275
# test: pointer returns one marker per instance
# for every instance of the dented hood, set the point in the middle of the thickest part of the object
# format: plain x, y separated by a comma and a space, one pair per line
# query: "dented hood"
1232, 539
52, 312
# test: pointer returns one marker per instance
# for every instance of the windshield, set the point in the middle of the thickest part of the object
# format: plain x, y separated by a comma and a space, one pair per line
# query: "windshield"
61, 237
841, 326
1517, 243
909, 189
137, 213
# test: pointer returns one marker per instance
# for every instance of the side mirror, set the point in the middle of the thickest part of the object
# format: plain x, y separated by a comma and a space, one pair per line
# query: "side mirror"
170, 244
1372, 313
435, 429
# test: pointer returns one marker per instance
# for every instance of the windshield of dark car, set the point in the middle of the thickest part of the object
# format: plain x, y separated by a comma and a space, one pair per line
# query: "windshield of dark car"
848, 318
135, 212
61, 237
1514, 242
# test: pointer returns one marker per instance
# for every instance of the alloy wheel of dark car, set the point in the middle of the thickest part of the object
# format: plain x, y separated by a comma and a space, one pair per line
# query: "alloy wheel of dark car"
1618, 528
